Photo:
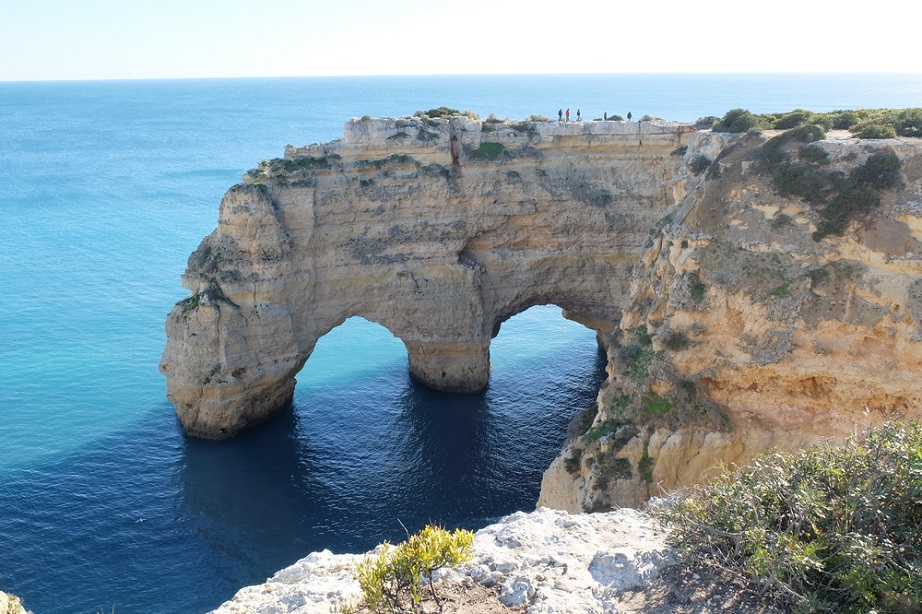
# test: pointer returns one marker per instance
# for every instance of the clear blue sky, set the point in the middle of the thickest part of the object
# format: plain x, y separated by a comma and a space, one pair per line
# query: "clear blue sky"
118, 39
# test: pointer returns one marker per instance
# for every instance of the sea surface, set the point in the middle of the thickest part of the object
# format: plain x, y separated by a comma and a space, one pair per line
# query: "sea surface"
107, 187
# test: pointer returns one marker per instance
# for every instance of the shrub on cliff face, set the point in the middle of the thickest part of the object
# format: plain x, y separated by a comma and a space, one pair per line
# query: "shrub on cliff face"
488, 151
392, 579
837, 197
826, 529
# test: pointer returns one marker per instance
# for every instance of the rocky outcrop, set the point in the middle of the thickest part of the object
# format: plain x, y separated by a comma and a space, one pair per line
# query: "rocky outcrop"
732, 325
543, 562
10, 604
744, 331
437, 229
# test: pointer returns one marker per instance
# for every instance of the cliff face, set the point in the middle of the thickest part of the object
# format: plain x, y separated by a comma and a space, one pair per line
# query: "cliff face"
742, 332
439, 230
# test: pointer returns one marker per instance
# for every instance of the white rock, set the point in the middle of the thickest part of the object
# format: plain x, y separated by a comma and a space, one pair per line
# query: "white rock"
547, 561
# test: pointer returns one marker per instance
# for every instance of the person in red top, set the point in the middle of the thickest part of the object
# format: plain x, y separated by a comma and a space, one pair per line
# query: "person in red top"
568, 114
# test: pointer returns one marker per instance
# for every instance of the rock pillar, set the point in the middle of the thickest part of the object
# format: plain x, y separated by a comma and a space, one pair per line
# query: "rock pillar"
450, 367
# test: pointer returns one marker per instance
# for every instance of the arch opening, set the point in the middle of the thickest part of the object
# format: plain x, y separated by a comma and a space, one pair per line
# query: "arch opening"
355, 348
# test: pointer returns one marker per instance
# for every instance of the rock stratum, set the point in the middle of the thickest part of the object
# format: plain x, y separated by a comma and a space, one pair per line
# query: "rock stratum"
730, 327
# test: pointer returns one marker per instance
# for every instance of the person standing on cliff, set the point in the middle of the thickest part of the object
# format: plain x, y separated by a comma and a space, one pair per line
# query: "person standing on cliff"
560, 115
568, 114
629, 116
578, 118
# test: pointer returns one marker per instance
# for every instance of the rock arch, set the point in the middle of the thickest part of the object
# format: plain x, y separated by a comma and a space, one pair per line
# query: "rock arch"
383, 225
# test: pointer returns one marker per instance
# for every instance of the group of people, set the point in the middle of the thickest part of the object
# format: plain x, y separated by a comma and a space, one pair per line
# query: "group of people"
560, 115
579, 118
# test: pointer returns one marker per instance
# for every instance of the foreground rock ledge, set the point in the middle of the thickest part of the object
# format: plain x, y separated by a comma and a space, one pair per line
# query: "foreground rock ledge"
542, 562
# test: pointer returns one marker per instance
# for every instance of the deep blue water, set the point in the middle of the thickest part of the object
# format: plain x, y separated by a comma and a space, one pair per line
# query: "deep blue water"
105, 189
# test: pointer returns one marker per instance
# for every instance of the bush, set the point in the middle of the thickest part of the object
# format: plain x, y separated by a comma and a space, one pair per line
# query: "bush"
392, 578
813, 154
838, 198
706, 123
488, 151
440, 112
828, 528
737, 120
880, 172
794, 119
843, 120
910, 123
876, 131
698, 164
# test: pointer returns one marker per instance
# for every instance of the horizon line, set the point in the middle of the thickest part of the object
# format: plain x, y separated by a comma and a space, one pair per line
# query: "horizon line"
473, 74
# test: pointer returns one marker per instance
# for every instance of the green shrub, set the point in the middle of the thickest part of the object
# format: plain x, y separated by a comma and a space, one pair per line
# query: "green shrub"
780, 221
880, 172
737, 120
440, 112
843, 120
656, 405
639, 360
824, 529
676, 341
698, 164
392, 579
838, 198
792, 179
488, 151
813, 154
876, 131
910, 123
794, 119
706, 123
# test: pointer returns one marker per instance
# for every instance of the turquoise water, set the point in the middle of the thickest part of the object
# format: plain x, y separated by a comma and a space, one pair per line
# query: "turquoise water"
106, 189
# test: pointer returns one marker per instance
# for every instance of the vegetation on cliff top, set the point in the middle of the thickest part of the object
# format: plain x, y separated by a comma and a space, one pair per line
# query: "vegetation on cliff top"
832, 528
391, 580
863, 123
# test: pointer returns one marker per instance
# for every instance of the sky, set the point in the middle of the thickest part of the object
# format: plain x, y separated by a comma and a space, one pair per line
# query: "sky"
144, 39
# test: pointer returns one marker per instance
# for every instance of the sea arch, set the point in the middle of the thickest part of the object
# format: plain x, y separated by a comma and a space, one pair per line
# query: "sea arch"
439, 254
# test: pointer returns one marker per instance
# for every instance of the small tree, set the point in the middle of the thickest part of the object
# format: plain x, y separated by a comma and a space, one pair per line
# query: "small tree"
394, 575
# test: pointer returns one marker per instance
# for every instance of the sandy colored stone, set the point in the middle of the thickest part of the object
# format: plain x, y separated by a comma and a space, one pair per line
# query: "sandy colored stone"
408, 223
788, 341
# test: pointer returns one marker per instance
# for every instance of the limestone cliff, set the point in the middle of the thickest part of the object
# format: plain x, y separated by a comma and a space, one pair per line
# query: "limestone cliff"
734, 321
437, 229
744, 330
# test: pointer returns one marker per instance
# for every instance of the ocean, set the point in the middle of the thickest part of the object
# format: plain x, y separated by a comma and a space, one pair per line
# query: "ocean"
107, 187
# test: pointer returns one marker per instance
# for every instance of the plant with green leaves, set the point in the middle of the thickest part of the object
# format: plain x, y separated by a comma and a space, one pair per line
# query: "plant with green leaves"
831, 528
392, 578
